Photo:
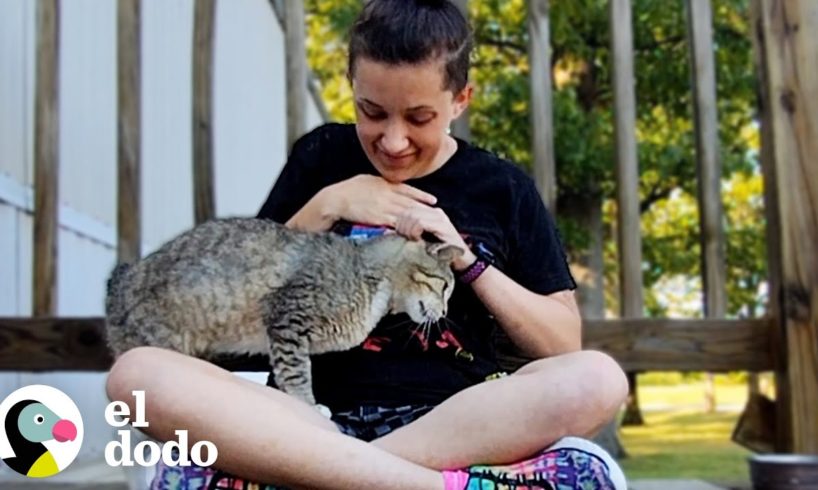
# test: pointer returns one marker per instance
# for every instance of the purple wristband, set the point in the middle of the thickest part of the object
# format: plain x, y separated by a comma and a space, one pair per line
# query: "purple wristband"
473, 271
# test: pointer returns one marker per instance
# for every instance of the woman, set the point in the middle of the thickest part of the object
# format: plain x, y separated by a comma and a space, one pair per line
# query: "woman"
423, 412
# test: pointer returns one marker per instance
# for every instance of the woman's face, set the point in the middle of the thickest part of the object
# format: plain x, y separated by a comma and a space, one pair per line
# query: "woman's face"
403, 113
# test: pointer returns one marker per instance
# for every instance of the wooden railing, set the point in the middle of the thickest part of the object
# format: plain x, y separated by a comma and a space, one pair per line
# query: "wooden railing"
46, 344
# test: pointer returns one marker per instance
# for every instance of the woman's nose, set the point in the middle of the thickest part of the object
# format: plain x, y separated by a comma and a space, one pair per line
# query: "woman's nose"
394, 139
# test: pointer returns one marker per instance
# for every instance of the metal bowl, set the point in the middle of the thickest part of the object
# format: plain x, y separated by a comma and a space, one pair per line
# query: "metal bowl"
784, 471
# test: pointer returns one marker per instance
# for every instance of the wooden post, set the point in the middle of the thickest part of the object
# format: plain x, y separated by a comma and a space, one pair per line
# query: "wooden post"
129, 98
542, 126
627, 175
792, 99
296, 61
627, 180
461, 127
204, 203
782, 422
708, 166
46, 159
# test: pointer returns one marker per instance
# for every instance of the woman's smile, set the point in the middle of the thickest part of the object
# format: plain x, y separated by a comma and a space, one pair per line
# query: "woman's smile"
396, 159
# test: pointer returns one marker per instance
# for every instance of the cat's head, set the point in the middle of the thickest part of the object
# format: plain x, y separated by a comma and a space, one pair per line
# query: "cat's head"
422, 280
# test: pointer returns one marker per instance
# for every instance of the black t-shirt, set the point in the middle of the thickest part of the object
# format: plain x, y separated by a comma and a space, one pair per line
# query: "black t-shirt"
493, 204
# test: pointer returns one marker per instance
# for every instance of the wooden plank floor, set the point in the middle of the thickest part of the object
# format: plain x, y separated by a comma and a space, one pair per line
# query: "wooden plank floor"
35, 485
634, 485
663, 484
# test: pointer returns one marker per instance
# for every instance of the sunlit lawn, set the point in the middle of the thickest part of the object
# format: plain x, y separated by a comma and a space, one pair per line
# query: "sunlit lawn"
680, 440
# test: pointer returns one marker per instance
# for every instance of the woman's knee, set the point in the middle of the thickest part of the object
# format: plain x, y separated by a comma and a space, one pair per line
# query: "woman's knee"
598, 386
604, 379
133, 369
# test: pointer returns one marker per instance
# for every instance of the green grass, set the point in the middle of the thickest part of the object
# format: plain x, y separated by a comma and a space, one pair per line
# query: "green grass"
689, 395
681, 440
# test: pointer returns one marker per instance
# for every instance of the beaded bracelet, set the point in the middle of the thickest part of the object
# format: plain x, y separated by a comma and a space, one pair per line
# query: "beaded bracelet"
472, 272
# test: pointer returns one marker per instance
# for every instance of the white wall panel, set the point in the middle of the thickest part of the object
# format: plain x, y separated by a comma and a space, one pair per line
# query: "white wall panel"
25, 231
88, 139
167, 202
16, 67
250, 111
250, 106
8, 261
84, 266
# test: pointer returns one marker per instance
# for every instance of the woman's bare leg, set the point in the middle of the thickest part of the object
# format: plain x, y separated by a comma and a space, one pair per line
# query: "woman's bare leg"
261, 434
509, 419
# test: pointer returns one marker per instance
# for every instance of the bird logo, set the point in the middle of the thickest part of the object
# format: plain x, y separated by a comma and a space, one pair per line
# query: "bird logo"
42, 428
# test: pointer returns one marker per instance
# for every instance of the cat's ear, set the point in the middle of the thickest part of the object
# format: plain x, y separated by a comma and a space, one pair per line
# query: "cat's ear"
444, 252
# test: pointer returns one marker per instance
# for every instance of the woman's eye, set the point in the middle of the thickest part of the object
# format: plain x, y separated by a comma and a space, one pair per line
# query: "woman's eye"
374, 115
420, 121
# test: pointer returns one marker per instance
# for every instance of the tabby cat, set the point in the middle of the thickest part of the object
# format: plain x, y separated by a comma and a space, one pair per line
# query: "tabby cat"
250, 286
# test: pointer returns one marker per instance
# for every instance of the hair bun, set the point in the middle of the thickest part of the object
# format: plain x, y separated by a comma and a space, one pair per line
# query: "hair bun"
433, 3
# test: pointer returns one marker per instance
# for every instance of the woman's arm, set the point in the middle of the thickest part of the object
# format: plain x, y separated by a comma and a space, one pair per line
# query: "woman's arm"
541, 325
361, 199
318, 214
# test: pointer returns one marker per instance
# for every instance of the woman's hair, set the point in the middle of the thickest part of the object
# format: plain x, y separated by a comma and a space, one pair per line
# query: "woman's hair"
414, 31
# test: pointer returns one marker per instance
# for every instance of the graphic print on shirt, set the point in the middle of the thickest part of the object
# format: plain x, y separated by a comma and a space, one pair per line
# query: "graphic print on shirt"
398, 332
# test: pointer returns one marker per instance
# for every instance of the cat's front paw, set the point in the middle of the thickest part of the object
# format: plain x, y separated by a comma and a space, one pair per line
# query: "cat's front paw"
324, 410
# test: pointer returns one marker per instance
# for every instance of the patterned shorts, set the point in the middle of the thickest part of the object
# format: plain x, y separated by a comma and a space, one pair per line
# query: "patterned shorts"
366, 423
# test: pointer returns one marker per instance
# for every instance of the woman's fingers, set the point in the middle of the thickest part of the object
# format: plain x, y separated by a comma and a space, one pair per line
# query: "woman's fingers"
421, 218
372, 200
409, 226
416, 194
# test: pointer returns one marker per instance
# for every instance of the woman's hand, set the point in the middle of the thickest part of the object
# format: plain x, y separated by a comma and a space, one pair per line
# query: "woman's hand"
419, 219
372, 200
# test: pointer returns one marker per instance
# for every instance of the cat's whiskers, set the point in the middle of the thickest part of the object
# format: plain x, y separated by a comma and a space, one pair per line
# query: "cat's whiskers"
437, 325
398, 325
449, 322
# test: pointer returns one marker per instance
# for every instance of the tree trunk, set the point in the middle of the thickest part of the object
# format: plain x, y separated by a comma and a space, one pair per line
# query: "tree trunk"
633, 414
587, 268
709, 393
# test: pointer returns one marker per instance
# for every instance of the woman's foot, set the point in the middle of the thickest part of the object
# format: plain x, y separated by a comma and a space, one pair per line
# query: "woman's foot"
571, 463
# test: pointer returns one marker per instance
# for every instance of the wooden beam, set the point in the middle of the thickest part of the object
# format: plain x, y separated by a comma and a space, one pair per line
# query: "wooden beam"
708, 163
461, 126
46, 159
792, 91
772, 233
296, 68
627, 166
542, 125
204, 32
651, 344
643, 344
51, 344
129, 72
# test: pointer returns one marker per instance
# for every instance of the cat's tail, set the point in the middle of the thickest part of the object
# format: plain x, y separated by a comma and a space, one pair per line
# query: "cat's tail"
115, 279
115, 308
